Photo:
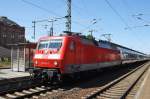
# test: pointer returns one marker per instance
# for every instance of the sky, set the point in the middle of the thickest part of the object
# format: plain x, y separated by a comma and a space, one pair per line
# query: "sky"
128, 21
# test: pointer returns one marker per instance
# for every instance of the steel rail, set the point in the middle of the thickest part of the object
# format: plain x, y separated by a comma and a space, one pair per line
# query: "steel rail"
109, 85
17, 85
133, 84
46, 89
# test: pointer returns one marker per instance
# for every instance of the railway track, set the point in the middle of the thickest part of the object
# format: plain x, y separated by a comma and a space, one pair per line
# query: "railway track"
121, 87
81, 89
10, 86
28, 92
43, 92
27, 88
35, 92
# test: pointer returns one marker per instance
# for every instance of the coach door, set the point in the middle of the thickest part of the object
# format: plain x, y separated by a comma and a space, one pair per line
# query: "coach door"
74, 55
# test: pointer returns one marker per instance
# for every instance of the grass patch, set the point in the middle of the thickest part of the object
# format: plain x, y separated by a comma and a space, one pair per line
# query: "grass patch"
5, 64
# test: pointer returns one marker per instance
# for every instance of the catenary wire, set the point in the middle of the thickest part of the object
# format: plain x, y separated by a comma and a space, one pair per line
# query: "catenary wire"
116, 12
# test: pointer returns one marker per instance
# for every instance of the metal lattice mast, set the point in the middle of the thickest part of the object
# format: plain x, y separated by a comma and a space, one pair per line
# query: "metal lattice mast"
68, 23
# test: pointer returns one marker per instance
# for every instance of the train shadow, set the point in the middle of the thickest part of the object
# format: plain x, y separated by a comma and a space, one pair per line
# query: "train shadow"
100, 78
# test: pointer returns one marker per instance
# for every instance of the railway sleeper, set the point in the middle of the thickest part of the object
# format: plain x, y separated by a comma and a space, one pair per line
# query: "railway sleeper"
49, 92
33, 90
27, 92
121, 85
35, 97
133, 92
40, 89
130, 96
115, 91
19, 93
122, 89
42, 94
11, 96
101, 97
113, 94
108, 96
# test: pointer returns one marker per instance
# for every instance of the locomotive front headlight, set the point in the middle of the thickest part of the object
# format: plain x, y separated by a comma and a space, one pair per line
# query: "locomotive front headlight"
46, 51
36, 62
55, 63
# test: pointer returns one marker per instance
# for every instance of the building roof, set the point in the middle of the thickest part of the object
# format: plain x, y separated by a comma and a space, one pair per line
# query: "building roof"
27, 45
7, 21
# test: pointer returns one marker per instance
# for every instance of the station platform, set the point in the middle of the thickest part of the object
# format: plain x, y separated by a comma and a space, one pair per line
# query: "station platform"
9, 74
144, 90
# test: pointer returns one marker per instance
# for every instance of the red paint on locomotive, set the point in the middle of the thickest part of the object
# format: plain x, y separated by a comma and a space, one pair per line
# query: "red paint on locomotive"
73, 54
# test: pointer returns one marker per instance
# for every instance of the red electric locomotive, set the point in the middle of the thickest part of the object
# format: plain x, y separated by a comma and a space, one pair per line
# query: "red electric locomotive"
57, 56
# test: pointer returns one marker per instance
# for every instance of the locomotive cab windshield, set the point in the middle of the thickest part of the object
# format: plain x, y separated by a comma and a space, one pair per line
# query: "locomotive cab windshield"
50, 44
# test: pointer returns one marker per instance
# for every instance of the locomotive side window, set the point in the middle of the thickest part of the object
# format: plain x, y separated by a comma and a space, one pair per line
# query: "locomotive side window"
72, 45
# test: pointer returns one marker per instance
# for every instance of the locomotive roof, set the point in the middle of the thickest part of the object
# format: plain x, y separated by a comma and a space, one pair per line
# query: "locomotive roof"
111, 44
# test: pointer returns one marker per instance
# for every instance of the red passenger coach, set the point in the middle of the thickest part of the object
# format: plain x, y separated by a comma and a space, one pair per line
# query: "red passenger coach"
57, 56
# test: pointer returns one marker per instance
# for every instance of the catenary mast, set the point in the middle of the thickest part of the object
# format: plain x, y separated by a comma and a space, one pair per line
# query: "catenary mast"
68, 16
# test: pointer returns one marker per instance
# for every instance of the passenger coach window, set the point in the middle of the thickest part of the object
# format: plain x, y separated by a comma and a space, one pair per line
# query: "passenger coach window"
72, 45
